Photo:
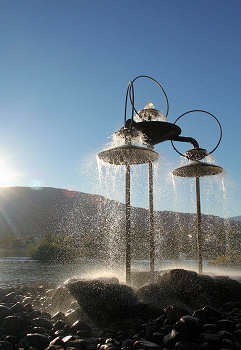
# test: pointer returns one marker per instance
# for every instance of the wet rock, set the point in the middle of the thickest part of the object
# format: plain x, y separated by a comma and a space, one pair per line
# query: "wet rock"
35, 340
146, 345
209, 328
11, 298
186, 345
173, 313
61, 299
81, 328
42, 322
58, 316
171, 338
225, 325
57, 341
103, 302
173, 288
16, 308
6, 345
188, 326
207, 314
4, 311
76, 344
13, 325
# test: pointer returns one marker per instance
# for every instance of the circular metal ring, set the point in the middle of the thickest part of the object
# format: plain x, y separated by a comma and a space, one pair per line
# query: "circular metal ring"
130, 93
211, 115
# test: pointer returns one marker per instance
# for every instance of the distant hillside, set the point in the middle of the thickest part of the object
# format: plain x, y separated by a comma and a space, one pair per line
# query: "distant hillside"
235, 218
30, 213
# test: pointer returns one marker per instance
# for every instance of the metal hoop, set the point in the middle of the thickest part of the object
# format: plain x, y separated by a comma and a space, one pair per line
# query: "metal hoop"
130, 93
211, 115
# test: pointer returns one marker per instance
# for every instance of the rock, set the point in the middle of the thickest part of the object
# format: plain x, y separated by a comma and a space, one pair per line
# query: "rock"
173, 313
171, 338
76, 344
4, 311
16, 308
188, 326
209, 328
13, 325
147, 345
226, 325
58, 316
103, 302
42, 322
81, 328
6, 345
173, 288
61, 299
186, 345
35, 340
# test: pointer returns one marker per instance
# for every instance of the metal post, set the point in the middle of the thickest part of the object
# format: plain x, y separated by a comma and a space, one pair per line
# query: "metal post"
199, 233
128, 226
151, 224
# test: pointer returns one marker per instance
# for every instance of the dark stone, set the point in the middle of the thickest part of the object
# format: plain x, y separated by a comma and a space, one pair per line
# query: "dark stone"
226, 325
188, 326
186, 345
171, 338
4, 311
225, 334
173, 313
76, 344
57, 341
58, 316
211, 339
209, 328
146, 345
227, 343
81, 328
13, 325
59, 325
16, 308
11, 297
42, 322
35, 340
103, 302
6, 345
173, 287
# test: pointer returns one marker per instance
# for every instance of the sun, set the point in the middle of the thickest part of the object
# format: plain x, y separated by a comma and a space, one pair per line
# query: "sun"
8, 175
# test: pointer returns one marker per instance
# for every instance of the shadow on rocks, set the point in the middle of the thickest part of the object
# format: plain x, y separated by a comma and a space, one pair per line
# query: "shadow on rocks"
106, 302
189, 290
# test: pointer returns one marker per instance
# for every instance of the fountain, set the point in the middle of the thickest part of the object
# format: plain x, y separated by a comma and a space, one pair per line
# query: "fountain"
198, 169
149, 128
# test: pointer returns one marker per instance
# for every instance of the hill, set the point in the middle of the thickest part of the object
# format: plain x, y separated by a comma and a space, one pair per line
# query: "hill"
28, 214
236, 218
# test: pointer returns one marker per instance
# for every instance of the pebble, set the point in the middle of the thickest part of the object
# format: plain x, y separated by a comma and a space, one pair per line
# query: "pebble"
24, 323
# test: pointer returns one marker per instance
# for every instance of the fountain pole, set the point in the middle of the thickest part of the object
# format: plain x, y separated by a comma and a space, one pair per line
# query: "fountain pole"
199, 232
151, 223
128, 225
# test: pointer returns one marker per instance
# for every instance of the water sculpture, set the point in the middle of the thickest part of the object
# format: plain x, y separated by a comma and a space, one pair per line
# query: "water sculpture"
198, 169
147, 127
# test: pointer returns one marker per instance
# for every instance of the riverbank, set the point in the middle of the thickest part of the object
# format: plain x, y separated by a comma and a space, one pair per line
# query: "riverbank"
43, 317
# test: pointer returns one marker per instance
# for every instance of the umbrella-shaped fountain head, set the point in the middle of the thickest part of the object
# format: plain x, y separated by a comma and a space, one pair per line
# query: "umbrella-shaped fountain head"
128, 154
198, 169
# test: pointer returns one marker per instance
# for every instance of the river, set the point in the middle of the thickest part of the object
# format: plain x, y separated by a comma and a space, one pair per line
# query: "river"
18, 270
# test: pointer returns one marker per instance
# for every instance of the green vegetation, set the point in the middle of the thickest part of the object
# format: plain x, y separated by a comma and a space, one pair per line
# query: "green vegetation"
234, 259
52, 248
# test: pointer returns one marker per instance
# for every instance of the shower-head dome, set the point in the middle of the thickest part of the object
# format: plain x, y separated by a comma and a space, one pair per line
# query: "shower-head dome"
128, 155
198, 169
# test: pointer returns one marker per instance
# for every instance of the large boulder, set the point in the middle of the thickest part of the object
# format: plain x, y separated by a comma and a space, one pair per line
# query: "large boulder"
103, 301
190, 290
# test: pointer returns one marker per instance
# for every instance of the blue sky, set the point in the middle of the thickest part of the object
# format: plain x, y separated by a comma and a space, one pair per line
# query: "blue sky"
64, 68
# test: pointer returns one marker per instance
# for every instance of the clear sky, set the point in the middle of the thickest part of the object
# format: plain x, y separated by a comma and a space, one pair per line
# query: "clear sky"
64, 68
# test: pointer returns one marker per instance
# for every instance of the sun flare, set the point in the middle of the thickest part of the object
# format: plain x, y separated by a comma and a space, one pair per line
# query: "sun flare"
8, 175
